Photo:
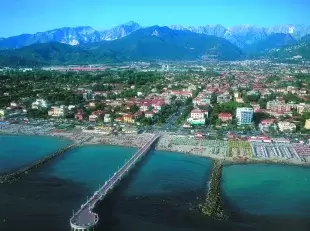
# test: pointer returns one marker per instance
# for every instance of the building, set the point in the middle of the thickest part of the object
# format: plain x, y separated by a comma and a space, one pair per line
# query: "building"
149, 114
92, 104
93, 118
60, 111
158, 105
2, 112
303, 108
127, 118
39, 103
307, 124
278, 106
80, 115
193, 121
197, 114
223, 98
244, 115
197, 117
285, 126
145, 106
264, 125
237, 95
107, 118
181, 94
223, 116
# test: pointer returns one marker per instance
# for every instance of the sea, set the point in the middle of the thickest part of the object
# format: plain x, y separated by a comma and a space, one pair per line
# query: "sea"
162, 192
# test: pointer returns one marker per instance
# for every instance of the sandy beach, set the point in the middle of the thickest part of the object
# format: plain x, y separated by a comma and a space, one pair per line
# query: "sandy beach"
213, 149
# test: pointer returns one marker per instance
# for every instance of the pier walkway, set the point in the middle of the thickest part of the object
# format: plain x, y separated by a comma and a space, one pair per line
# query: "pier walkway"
84, 219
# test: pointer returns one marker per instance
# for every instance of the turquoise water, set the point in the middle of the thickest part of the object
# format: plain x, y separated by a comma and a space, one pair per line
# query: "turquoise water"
161, 193
168, 172
268, 189
17, 151
90, 166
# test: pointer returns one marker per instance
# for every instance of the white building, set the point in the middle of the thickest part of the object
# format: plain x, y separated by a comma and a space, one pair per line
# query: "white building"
244, 115
2, 112
149, 114
197, 114
107, 118
58, 111
285, 126
39, 103
70, 107
93, 118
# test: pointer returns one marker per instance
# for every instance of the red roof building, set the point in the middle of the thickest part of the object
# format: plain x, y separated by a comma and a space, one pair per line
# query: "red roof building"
225, 116
80, 115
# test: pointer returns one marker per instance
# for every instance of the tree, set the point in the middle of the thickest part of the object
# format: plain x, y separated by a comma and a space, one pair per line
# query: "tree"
259, 116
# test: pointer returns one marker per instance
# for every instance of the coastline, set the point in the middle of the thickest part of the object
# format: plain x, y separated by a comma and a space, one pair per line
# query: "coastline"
164, 144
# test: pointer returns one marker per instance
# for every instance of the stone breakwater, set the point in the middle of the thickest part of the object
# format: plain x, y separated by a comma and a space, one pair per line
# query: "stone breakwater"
16, 175
213, 205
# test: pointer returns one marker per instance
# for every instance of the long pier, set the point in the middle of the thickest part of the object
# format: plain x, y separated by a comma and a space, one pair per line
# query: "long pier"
85, 219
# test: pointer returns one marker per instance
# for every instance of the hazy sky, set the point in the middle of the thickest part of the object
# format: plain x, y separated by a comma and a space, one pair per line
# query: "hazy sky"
30, 16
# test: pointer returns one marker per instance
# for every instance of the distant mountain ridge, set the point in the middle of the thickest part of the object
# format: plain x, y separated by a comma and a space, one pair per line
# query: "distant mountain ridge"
242, 36
245, 35
152, 43
69, 35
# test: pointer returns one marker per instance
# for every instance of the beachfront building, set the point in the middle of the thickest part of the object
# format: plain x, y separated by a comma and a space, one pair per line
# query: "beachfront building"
107, 118
307, 124
197, 117
285, 126
197, 114
80, 115
223, 116
244, 115
39, 104
56, 111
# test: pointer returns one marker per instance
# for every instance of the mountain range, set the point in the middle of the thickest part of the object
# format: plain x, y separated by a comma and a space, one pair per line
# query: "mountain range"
242, 36
152, 43
131, 42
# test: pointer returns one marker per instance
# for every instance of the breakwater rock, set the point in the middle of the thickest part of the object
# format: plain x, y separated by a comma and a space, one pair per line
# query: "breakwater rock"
213, 205
14, 176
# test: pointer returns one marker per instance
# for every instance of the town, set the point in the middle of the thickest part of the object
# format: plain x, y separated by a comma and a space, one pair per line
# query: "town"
247, 110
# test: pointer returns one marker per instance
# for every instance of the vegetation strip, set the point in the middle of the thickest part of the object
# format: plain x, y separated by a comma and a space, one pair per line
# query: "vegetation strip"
11, 177
213, 205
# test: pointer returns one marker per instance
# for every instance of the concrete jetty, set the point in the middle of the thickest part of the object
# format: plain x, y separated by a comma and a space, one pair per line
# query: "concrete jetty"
85, 219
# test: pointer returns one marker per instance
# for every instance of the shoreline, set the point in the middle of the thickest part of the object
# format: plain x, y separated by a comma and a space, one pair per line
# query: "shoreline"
137, 140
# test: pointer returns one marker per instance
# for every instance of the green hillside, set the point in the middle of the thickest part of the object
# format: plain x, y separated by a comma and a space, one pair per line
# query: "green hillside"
153, 43
166, 44
273, 41
299, 51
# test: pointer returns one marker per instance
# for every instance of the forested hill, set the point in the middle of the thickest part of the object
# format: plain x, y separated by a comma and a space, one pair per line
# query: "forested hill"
300, 50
